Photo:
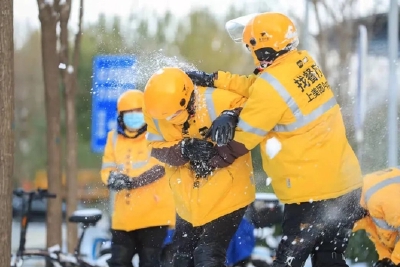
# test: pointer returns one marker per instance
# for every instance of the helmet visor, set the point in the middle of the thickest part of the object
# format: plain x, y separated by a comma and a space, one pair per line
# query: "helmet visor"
235, 27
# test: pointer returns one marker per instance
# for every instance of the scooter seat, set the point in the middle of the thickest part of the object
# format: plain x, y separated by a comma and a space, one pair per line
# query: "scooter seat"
86, 216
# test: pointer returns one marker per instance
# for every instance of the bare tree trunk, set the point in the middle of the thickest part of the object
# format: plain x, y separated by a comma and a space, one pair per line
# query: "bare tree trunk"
71, 162
48, 16
69, 77
6, 127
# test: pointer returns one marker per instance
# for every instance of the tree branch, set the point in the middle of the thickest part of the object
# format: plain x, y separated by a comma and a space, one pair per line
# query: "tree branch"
330, 11
40, 4
65, 12
56, 5
78, 37
321, 38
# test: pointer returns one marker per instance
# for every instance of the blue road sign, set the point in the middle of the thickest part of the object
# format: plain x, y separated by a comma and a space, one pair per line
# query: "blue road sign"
112, 75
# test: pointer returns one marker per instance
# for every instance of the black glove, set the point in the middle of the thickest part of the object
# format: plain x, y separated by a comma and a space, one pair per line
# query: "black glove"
118, 181
201, 78
197, 149
222, 130
385, 263
201, 168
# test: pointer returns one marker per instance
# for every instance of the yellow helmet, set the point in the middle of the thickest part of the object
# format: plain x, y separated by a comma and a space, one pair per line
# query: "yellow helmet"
269, 35
129, 100
167, 93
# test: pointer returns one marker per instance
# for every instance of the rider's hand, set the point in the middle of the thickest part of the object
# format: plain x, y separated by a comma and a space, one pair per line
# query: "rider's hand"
118, 181
197, 149
222, 130
201, 78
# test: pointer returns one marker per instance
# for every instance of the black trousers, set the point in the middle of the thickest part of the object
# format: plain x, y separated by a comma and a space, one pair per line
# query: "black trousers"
205, 246
321, 229
146, 242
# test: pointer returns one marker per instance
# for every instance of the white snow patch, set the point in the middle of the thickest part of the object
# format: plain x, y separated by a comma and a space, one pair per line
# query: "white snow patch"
87, 212
291, 32
160, 71
272, 147
62, 66
55, 248
70, 69
266, 196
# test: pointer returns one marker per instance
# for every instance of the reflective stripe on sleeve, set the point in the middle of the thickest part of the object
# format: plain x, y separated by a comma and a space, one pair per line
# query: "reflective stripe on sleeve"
210, 103
250, 129
155, 137
371, 191
301, 119
106, 165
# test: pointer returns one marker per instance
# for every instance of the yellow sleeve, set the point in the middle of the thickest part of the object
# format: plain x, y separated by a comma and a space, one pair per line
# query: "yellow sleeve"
390, 209
396, 254
154, 136
239, 84
367, 224
260, 114
108, 162
168, 152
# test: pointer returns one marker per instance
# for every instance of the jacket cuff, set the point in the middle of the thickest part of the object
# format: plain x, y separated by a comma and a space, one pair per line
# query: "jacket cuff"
150, 176
227, 154
170, 155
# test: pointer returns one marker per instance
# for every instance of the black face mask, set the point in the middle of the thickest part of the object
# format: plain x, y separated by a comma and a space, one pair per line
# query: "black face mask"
269, 54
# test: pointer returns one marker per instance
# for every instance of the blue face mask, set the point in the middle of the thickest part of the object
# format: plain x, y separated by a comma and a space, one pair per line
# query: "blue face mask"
133, 120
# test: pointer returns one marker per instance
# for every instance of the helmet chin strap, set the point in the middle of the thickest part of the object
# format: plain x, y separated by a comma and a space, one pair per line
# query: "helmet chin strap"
258, 70
136, 133
267, 56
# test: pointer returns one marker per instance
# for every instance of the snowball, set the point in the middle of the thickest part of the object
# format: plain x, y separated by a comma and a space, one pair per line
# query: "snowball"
268, 181
62, 66
273, 147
